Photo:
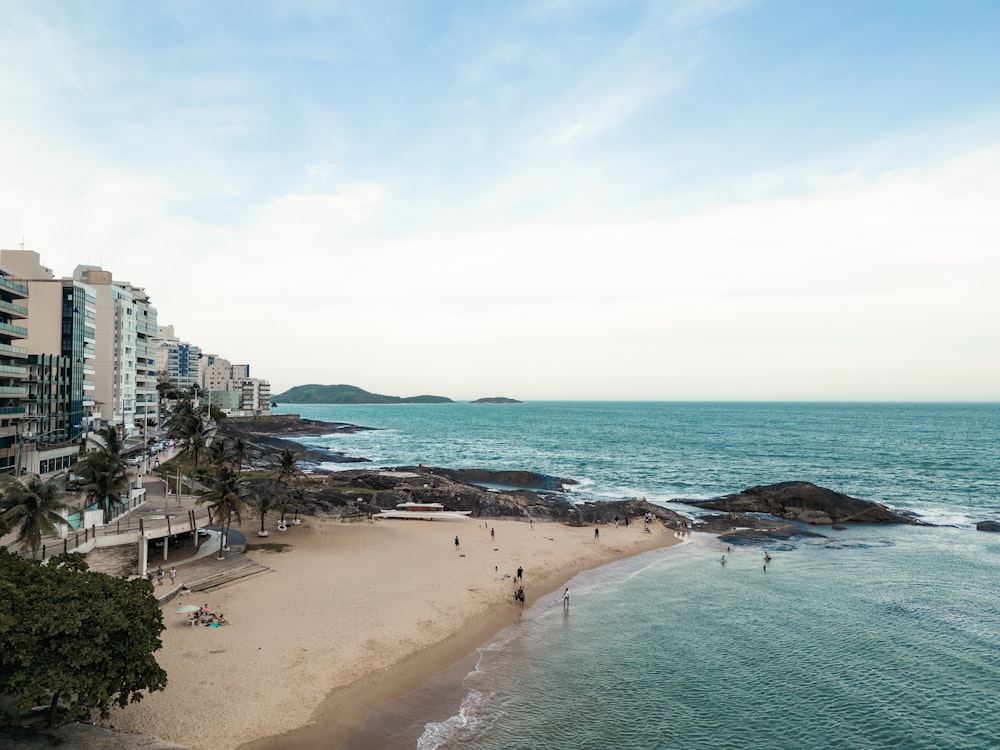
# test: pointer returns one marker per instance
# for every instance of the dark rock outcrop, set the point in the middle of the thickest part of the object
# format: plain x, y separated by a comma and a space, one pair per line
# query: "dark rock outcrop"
743, 529
524, 480
262, 435
804, 502
355, 493
988, 526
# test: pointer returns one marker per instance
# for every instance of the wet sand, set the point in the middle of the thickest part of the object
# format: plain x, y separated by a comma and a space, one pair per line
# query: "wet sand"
354, 615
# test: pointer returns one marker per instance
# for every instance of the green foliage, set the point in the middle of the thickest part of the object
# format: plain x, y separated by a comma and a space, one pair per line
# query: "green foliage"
227, 496
76, 641
347, 394
33, 508
105, 478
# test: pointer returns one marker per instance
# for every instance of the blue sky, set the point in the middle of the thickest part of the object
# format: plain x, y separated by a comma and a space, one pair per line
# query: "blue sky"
710, 199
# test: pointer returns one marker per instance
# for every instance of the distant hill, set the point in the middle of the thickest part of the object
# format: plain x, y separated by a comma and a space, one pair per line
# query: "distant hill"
347, 394
496, 400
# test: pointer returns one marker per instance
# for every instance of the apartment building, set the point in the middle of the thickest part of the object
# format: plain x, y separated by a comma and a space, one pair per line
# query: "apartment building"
215, 373
121, 361
147, 402
60, 407
255, 398
13, 367
176, 360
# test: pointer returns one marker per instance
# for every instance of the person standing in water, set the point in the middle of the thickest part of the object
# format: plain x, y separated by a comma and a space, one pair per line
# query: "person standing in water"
566, 599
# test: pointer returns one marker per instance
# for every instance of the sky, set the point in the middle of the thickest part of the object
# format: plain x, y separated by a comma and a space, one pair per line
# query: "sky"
549, 200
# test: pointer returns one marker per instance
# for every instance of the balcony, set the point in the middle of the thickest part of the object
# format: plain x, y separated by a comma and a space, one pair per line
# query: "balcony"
13, 391
14, 351
14, 310
9, 410
13, 330
13, 286
15, 370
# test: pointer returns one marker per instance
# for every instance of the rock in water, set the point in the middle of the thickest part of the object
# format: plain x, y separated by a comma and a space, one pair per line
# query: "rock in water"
804, 502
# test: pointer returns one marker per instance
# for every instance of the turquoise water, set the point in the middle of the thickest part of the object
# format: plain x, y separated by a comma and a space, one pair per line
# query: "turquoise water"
880, 637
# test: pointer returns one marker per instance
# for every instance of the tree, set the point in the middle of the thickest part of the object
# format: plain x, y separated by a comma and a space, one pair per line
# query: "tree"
113, 444
105, 478
261, 505
227, 496
240, 448
34, 508
197, 444
287, 472
187, 424
75, 640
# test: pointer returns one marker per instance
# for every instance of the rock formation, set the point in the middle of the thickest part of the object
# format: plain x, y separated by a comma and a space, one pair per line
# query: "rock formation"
804, 502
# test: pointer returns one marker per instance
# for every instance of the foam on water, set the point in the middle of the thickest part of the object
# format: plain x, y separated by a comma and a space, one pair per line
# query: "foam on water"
673, 650
878, 637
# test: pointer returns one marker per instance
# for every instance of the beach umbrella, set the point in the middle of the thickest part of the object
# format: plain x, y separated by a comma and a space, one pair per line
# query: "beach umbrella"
187, 608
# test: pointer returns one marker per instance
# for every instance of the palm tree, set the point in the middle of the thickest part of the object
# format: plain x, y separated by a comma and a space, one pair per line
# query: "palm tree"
188, 425
220, 452
287, 472
197, 445
240, 448
113, 444
262, 504
228, 496
35, 507
104, 472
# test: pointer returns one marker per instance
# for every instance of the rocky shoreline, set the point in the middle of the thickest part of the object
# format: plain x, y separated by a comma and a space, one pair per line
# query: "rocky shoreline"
776, 512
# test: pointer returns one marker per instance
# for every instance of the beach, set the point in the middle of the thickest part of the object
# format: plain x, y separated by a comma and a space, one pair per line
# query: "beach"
352, 615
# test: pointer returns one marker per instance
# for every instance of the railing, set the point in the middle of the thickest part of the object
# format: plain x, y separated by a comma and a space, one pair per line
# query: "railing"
17, 350
13, 286
14, 330
143, 530
12, 308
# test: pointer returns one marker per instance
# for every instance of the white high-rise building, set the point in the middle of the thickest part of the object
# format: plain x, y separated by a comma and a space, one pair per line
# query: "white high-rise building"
177, 361
121, 362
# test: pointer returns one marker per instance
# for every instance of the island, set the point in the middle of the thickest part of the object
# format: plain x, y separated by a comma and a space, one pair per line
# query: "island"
347, 394
497, 400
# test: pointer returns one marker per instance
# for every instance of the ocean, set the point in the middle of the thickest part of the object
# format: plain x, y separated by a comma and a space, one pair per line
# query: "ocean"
874, 637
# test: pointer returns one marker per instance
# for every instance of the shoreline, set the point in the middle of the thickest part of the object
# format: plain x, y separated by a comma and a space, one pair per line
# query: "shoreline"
342, 713
354, 616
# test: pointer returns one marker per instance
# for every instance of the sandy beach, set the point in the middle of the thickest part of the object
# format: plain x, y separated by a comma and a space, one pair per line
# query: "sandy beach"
354, 614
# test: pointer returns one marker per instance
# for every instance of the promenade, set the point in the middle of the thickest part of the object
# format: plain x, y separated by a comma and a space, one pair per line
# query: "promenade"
150, 513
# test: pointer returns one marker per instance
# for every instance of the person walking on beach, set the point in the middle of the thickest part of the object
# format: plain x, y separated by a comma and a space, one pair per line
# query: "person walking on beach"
566, 599
456, 542
173, 574
520, 573
597, 533
493, 533
496, 572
